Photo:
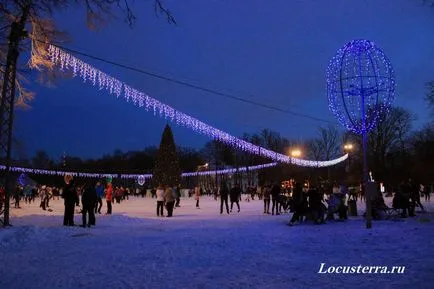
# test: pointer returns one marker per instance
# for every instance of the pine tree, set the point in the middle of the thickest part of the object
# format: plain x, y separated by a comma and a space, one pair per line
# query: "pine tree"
167, 170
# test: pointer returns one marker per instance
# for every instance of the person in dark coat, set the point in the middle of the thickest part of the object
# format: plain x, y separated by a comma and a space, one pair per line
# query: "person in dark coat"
178, 196
315, 204
235, 195
298, 203
89, 200
401, 199
412, 191
70, 200
224, 192
275, 198
17, 196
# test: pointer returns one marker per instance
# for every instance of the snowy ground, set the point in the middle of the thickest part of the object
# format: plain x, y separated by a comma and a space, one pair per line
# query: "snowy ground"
203, 249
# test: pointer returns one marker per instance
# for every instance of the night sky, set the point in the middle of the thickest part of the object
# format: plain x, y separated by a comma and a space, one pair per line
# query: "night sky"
274, 52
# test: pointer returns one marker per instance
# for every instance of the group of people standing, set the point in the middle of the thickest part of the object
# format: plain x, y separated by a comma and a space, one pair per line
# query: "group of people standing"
234, 194
91, 201
169, 197
407, 197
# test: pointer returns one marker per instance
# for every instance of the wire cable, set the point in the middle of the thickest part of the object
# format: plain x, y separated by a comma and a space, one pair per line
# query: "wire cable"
190, 85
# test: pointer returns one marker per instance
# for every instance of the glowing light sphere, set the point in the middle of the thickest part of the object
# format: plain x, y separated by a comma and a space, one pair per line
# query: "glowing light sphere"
360, 85
141, 180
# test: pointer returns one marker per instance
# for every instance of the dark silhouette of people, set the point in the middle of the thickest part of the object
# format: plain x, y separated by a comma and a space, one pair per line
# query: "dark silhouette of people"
275, 198
235, 195
17, 196
170, 200
70, 200
298, 203
224, 193
89, 200
178, 196
316, 206
401, 199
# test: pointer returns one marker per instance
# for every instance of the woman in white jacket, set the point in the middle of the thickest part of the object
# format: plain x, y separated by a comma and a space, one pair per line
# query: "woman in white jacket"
160, 200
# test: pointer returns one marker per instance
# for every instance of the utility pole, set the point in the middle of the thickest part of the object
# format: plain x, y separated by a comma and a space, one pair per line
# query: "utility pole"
8, 100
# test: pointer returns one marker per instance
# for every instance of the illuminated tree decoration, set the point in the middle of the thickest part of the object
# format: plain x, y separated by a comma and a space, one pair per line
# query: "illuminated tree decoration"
141, 180
360, 84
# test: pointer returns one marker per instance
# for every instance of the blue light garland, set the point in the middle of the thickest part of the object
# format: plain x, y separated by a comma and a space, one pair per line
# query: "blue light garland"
360, 78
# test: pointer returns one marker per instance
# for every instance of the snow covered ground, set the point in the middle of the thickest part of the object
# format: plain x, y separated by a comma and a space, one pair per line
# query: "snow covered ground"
199, 248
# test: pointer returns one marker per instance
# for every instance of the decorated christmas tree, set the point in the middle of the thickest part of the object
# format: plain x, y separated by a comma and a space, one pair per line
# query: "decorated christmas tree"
167, 170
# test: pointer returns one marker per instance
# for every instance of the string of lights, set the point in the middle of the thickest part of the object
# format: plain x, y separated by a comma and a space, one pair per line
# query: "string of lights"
190, 85
134, 176
87, 73
79, 68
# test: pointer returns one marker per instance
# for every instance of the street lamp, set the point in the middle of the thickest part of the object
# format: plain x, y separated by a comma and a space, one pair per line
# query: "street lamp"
296, 153
348, 147
199, 168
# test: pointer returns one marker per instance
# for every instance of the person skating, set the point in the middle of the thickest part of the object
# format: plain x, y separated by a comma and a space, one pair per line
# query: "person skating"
235, 195
297, 198
89, 200
99, 194
160, 200
428, 191
109, 197
197, 196
43, 196
170, 201
275, 198
316, 205
178, 196
419, 190
224, 192
401, 199
17, 196
267, 197
70, 201
413, 192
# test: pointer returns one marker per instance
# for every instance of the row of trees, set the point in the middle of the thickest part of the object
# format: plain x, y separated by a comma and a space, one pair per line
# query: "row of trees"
396, 152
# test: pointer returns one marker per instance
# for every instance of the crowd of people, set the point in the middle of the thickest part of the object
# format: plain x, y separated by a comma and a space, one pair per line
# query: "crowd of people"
316, 202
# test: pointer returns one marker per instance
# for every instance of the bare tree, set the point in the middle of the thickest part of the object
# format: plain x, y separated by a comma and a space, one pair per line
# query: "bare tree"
430, 96
314, 149
40, 29
329, 142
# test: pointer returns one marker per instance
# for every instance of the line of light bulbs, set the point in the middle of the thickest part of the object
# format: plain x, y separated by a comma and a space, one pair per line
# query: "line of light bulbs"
114, 86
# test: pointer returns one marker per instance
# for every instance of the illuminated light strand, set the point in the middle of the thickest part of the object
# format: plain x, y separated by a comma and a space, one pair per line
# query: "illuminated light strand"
359, 69
134, 176
104, 81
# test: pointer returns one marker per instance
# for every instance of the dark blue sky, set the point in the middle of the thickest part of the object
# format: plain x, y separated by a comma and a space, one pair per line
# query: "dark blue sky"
274, 52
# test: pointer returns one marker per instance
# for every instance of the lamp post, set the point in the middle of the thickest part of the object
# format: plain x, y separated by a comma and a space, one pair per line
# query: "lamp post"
295, 153
199, 168
348, 148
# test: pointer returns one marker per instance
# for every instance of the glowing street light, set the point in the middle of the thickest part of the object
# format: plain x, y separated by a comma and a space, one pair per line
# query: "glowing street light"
348, 147
296, 153
204, 166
